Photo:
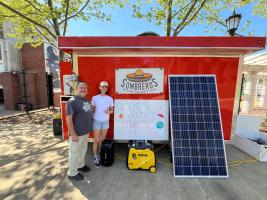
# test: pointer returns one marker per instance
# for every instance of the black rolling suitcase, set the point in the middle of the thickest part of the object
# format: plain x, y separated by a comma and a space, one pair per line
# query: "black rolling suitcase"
107, 153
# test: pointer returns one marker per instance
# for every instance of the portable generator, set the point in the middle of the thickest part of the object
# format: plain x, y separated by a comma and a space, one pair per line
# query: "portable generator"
141, 155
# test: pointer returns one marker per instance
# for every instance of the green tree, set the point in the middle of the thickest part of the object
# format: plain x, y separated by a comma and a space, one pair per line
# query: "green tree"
35, 21
260, 8
175, 15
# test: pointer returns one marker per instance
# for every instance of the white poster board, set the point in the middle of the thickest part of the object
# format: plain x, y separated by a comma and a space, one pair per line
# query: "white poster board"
139, 80
68, 85
141, 120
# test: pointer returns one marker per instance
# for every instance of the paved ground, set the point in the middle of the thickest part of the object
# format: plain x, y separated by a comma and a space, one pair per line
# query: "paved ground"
5, 113
34, 164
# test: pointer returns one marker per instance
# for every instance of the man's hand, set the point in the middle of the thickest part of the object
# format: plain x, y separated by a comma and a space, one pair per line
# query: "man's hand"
74, 138
93, 108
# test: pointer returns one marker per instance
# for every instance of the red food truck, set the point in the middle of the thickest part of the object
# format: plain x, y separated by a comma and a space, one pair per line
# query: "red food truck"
137, 70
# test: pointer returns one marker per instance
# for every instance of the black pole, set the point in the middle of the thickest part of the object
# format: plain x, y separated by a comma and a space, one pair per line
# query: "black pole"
25, 89
241, 91
49, 89
52, 91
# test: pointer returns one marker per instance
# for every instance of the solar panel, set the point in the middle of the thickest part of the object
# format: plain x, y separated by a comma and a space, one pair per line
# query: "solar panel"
197, 136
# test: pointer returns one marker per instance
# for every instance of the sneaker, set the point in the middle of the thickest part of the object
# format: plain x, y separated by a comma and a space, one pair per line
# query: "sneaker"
78, 177
98, 157
96, 162
84, 169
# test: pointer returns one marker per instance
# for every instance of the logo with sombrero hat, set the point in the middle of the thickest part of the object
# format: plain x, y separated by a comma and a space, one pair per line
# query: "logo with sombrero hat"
139, 80
139, 76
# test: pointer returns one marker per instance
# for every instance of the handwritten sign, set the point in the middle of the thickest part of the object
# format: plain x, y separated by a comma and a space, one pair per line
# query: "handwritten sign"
141, 120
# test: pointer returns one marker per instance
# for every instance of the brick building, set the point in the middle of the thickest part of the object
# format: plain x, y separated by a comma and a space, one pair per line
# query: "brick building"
36, 80
13, 84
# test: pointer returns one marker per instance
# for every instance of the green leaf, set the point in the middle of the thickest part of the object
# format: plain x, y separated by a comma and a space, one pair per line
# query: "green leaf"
36, 21
188, 13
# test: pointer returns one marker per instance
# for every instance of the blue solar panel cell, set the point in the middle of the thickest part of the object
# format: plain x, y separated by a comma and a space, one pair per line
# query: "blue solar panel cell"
213, 171
223, 171
188, 171
205, 171
196, 171
198, 146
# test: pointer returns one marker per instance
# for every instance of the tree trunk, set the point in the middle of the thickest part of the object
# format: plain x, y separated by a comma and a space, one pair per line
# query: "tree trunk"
169, 19
54, 19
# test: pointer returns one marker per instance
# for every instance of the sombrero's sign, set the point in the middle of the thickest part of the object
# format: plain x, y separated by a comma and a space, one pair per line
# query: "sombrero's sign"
139, 80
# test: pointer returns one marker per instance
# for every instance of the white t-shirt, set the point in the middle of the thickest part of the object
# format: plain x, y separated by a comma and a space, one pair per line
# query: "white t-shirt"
102, 104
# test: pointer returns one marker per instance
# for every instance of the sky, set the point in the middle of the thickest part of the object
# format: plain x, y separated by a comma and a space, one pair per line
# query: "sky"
123, 24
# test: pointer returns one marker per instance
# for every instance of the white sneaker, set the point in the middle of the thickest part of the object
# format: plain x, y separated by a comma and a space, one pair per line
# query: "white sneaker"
97, 163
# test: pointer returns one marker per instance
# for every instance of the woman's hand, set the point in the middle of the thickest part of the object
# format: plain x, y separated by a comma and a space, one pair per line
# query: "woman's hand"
107, 111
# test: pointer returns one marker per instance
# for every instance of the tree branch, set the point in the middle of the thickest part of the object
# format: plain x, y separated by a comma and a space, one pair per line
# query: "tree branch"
212, 15
216, 20
186, 16
49, 21
84, 6
34, 6
41, 35
29, 2
201, 6
8, 16
174, 15
27, 18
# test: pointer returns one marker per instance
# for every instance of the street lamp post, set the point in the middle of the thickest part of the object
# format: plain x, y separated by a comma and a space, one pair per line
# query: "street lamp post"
23, 71
232, 23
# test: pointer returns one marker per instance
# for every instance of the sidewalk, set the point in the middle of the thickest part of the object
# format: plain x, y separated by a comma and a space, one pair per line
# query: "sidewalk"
34, 165
33, 161
5, 113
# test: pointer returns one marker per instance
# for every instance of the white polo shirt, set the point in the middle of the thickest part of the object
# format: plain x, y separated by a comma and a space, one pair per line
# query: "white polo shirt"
102, 104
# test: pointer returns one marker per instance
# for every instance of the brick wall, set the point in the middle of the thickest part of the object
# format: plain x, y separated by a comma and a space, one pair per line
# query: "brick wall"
34, 63
33, 58
11, 88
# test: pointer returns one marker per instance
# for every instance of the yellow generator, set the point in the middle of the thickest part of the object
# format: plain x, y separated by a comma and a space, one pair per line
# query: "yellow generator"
141, 155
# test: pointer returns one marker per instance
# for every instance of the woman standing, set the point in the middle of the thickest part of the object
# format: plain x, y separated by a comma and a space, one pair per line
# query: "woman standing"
103, 105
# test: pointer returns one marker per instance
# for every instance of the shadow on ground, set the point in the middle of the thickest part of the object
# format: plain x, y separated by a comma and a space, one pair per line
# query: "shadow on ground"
34, 165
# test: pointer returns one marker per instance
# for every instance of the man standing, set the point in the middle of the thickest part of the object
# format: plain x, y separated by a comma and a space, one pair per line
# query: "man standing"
79, 122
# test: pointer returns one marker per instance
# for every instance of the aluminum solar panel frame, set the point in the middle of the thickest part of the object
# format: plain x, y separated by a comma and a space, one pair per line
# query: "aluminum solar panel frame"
196, 127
